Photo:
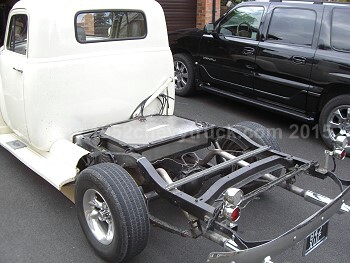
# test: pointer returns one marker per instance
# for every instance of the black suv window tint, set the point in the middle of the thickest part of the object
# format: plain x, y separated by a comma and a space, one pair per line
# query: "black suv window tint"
109, 25
242, 22
340, 33
17, 36
292, 26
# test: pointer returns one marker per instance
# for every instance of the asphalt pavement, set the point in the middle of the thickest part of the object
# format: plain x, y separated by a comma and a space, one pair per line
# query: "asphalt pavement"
39, 224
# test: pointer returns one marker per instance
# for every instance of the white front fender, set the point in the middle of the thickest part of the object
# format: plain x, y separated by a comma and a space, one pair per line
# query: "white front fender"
67, 152
58, 166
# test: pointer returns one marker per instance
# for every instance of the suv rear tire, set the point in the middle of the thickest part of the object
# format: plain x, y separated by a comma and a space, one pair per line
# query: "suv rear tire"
335, 119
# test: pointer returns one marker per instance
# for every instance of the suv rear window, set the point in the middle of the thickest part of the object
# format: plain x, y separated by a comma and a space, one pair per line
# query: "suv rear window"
292, 26
109, 25
340, 33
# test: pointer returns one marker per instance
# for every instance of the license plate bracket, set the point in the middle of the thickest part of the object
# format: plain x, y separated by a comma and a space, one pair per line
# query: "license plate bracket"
315, 238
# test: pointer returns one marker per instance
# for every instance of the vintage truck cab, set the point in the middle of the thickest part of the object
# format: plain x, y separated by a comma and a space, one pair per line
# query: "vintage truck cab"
87, 102
54, 84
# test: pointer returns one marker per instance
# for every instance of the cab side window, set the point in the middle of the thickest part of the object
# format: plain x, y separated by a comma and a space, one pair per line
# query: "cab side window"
242, 22
340, 32
17, 34
292, 26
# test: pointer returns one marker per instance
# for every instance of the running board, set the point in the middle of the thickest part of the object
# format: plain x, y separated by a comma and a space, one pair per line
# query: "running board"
258, 103
49, 166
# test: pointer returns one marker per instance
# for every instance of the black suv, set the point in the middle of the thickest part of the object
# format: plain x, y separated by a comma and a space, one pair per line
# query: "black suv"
292, 58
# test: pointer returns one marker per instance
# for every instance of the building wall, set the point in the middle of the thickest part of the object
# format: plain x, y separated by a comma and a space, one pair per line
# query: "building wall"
179, 14
205, 12
182, 14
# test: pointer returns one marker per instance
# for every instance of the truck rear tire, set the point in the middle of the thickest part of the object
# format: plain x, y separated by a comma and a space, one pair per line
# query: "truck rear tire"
184, 75
112, 212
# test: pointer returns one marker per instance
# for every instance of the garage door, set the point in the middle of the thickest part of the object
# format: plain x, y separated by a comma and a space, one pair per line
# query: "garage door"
179, 14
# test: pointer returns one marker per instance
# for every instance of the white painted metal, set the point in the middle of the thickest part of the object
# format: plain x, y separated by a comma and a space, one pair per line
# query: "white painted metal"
66, 152
3, 126
58, 166
12, 91
69, 87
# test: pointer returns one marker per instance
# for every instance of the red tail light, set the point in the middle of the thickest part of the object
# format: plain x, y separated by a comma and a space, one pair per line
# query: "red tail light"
236, 213
231, 214
339, 153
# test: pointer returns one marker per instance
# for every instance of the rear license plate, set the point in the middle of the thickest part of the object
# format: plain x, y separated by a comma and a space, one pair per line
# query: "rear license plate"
315, 239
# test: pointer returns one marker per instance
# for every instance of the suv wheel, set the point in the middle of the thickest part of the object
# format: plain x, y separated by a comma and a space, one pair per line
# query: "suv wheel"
184, 75
335, 119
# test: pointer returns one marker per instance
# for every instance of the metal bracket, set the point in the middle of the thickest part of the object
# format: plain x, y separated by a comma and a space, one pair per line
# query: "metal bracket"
195, 226
170, 228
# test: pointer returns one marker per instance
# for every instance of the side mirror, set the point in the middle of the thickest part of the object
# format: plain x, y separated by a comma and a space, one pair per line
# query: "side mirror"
209, 28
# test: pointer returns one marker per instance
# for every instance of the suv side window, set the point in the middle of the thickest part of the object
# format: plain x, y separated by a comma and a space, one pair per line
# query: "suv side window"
340, 32
292, 26
242, 22
109, 25
17, 36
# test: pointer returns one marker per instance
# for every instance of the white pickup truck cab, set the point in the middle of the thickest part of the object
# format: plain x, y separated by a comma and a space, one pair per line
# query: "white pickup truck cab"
87, 102
56, 82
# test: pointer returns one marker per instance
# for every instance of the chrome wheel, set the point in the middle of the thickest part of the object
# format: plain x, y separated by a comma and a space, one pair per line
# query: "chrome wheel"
181, 75
98, 216
338, 122
112, 212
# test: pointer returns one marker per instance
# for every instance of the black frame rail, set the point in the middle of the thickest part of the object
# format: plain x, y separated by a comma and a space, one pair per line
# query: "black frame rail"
202, 206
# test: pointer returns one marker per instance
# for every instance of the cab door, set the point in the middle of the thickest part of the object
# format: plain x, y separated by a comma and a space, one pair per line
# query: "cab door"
13, 59
227, 55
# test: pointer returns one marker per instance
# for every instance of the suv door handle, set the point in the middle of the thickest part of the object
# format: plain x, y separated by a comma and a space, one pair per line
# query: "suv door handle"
299, 60
248, 51
251, 67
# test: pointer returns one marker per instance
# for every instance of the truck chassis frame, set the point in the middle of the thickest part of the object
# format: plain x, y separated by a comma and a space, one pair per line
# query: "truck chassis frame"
149, 161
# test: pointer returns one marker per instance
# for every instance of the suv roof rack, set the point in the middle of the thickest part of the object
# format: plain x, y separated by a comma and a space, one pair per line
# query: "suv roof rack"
312, 1
308, 1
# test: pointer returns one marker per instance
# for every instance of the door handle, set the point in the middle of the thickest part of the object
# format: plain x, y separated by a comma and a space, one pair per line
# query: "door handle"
251, 67
299, 60
18, 70
248, 51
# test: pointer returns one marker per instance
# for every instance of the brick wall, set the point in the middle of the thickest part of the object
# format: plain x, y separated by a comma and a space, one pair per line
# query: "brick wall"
205, 12
88, 24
